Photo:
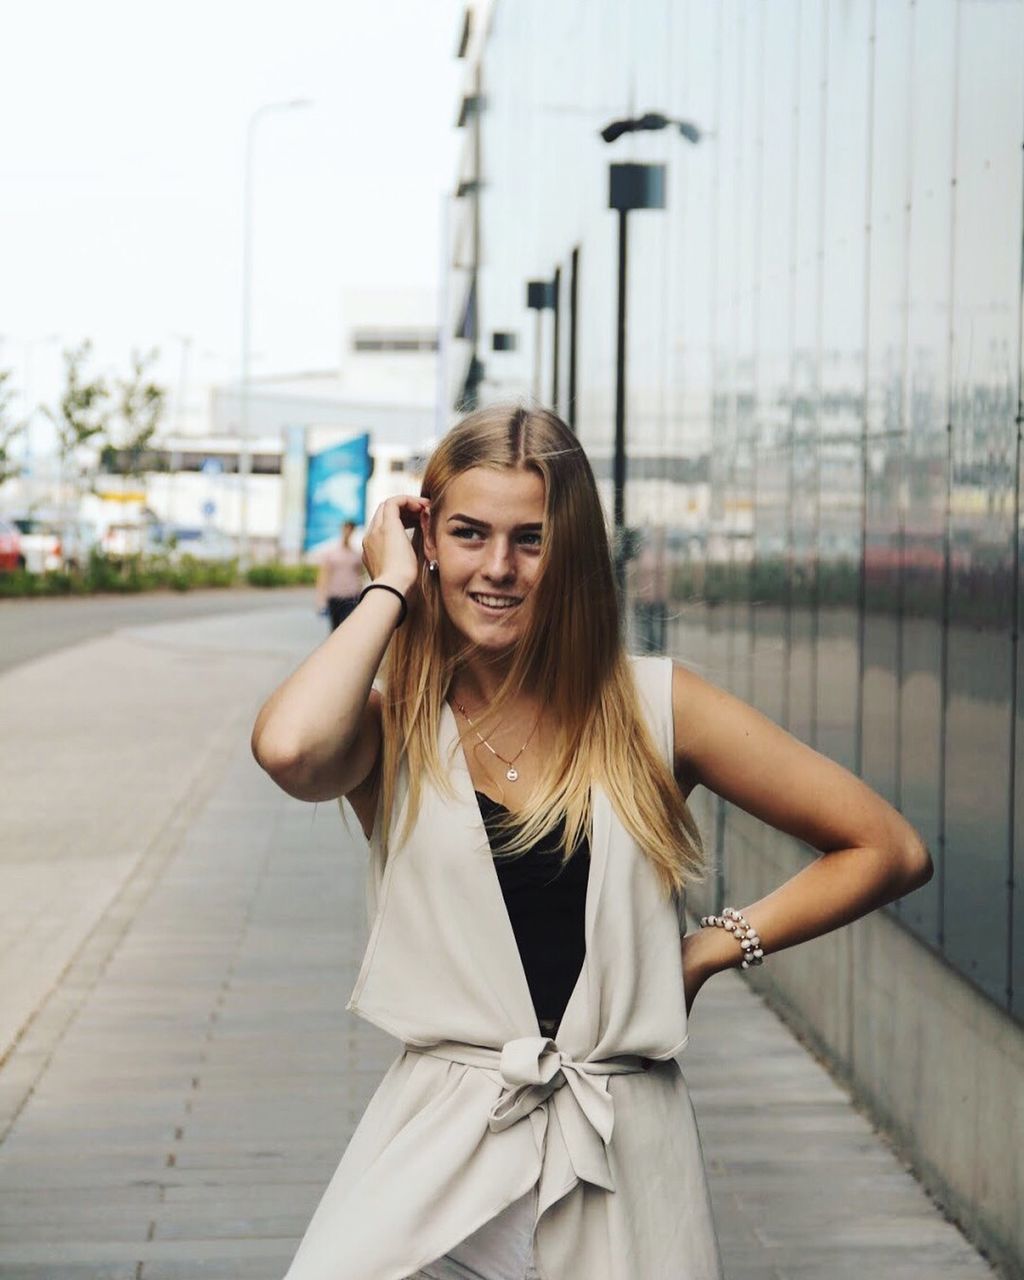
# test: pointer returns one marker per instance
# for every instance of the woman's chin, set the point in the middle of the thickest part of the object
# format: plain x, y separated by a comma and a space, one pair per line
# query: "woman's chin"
489, 638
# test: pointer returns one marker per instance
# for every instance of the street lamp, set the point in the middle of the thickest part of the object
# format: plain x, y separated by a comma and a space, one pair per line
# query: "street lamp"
244, 450
631, 186
540, 297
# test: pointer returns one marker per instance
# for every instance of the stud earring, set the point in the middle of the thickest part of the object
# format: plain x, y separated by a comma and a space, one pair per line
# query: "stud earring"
432, 566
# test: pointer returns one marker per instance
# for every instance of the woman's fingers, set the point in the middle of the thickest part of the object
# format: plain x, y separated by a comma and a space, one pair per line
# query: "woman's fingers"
386, 548
409, 508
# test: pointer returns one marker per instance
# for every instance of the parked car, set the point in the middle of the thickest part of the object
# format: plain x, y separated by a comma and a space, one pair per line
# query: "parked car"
78, 537
40, 544
11, 557
200, 543
122, 539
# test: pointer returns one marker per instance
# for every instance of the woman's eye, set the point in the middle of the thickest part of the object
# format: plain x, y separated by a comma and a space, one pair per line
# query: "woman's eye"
465, 532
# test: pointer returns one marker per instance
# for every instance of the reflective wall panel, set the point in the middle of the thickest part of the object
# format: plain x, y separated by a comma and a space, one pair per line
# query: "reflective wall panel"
823, 377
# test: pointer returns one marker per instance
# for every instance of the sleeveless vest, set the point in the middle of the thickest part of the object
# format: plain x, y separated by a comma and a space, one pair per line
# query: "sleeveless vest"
479, 1106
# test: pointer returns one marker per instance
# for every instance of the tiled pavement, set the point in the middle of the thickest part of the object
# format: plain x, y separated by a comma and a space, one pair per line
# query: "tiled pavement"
180, 1101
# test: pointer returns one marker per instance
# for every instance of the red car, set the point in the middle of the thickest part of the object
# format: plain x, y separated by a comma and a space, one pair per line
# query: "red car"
10, 547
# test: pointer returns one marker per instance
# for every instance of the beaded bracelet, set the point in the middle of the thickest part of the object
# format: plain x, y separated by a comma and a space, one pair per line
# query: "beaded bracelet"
746, 935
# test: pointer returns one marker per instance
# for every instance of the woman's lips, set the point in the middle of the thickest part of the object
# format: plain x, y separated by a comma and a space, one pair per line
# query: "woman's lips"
494, 610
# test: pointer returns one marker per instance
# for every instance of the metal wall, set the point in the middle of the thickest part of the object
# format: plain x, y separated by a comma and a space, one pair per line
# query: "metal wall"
824, 376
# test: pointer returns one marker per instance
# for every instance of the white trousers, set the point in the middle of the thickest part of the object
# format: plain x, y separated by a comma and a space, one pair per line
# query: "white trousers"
501, 1249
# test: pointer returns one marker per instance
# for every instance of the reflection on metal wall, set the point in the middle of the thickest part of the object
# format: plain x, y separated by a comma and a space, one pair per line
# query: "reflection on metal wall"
824, 383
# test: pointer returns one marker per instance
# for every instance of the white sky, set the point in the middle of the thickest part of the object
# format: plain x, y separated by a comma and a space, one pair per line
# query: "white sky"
121, 176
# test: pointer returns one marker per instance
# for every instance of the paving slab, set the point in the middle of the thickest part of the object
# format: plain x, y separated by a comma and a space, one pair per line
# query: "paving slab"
185, 1085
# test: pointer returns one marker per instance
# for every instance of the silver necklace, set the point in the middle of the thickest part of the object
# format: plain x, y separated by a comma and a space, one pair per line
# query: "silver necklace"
512, 773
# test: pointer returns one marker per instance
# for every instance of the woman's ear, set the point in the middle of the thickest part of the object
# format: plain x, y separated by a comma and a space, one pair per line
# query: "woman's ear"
429, 547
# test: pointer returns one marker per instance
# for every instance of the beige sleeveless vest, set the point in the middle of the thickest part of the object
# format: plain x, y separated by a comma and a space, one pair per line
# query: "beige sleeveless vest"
479, 1106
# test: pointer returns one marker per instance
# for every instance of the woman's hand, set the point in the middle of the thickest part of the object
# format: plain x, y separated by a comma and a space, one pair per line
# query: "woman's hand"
388, 555
703, 953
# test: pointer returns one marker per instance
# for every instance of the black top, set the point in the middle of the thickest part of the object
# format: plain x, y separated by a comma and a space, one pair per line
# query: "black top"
546, 906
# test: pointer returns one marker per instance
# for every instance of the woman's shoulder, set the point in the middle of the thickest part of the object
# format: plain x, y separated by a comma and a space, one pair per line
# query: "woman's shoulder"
652, 674
652, 671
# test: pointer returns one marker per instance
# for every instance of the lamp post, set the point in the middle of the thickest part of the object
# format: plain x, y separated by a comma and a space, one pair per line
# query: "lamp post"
631, 186
244, 449
540, 297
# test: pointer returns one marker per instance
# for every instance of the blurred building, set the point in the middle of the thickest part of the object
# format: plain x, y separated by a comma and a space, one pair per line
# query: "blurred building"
385, 385
823, 400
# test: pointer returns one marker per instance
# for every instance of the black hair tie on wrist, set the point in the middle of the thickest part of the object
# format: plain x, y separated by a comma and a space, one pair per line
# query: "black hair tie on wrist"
383, 586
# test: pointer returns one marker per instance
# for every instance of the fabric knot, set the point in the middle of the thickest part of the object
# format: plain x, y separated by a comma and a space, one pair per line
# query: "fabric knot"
532, 1070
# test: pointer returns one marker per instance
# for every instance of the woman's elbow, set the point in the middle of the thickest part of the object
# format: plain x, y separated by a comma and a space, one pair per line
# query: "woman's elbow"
281, 760
918, 865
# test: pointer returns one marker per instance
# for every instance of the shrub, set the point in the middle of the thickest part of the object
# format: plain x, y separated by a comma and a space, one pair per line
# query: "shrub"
275, 574
129, 574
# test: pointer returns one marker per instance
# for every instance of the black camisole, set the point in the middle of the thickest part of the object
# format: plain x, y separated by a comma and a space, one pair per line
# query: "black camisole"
546, 905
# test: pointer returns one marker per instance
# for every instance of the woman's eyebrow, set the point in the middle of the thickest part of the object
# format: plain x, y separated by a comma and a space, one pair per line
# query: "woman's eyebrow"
482, 524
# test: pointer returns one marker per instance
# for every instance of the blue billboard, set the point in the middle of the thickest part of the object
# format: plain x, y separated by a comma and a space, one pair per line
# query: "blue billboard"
336, 489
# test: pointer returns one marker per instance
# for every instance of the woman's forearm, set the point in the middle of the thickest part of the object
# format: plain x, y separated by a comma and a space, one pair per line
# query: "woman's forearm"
310, 721
833, 890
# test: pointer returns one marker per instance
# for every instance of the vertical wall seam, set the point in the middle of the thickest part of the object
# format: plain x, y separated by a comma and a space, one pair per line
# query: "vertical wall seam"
819, 309
1015, 647
794, 195
947, 573
866, 384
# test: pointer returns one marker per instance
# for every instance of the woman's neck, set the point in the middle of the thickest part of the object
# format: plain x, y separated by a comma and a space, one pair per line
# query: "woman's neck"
477, 682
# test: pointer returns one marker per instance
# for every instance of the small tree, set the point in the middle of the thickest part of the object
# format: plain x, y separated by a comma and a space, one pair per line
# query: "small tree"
10, 430
82, 414
140, 407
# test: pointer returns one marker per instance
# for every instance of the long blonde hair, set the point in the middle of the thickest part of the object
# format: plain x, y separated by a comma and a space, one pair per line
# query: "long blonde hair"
575, 661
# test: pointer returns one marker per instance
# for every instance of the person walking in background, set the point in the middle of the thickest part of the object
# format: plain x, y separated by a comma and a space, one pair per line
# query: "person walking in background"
340, 578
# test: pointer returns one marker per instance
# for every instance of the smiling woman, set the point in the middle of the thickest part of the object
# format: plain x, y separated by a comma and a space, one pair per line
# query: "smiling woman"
522, 782
491, 565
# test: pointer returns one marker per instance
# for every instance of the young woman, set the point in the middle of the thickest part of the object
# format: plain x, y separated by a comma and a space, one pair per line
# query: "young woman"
522, 782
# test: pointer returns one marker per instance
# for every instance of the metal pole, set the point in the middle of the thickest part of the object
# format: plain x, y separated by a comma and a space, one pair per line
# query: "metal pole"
556, 288
443, 346
244, 450
537, 354
619, 459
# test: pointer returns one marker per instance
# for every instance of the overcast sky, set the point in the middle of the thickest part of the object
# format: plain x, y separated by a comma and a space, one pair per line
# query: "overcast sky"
121, 175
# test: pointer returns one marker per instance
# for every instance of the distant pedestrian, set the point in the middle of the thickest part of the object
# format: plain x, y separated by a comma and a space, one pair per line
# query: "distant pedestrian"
340, 579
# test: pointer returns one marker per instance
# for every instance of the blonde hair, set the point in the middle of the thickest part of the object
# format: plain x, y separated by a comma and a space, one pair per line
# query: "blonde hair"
575, 661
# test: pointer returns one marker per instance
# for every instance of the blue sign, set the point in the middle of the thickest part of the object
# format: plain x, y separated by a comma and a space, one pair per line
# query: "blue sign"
208, 508
336, 489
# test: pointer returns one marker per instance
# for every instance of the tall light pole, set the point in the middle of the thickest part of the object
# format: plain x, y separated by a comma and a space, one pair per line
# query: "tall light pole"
244, 447
540, 297
631, 186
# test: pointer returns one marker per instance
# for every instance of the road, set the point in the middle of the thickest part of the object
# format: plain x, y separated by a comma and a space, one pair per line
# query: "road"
32, 628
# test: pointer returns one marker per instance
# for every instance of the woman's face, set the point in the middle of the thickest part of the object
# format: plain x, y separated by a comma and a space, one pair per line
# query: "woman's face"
487, 546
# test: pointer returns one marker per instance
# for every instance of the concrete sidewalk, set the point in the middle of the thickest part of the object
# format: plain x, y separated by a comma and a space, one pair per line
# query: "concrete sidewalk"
181, 1097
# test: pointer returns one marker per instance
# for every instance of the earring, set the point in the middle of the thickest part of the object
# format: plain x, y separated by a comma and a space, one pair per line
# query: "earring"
432, 566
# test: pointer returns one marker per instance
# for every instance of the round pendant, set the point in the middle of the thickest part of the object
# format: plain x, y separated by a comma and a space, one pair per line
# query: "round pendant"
512, 774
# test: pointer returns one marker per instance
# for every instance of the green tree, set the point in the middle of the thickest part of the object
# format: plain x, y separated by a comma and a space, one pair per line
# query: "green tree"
82, 415
139, 409
10, 430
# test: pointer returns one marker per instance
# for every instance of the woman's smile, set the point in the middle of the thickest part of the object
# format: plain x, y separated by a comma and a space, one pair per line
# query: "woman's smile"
494, 603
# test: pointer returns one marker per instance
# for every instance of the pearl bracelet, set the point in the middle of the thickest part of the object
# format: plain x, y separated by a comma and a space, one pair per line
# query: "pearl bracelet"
746, 935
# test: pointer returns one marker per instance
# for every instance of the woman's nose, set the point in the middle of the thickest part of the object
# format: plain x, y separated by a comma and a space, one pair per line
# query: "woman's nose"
500, 561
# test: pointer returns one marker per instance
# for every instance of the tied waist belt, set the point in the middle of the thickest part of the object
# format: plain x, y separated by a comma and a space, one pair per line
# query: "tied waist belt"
532, 1068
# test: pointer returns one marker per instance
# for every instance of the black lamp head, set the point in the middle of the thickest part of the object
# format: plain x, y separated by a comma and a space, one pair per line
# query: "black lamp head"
616, 129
